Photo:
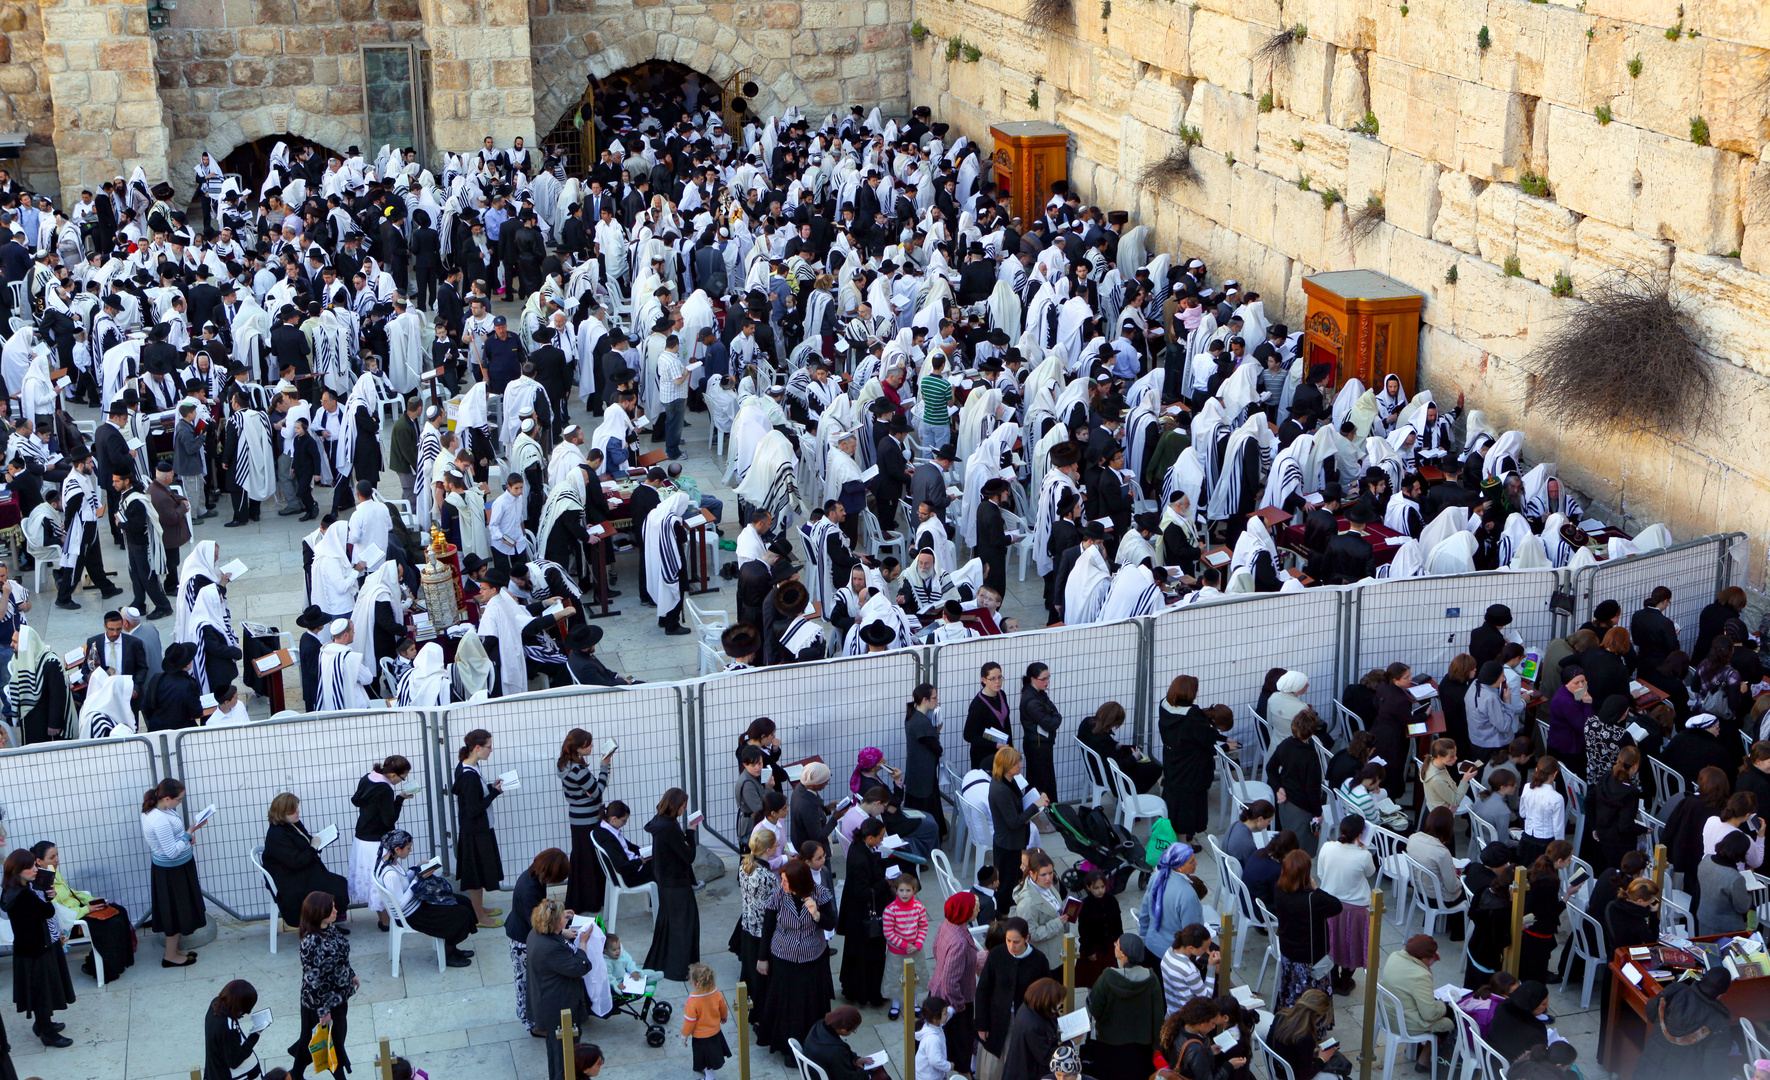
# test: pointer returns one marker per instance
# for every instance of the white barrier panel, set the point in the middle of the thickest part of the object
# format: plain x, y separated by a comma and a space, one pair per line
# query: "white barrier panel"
1090, 665
86, 798
527, 732
1231, 644
1425, 622
319, 757
832, 709
1694, 571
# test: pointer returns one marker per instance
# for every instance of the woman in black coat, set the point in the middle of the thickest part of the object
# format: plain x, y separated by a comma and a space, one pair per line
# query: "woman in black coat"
1189, 748
227, 1052
989, 709
826, 1044
41, 985
292, 862
1008, 971
1295, 769
864, 896
551, 867
1517, 1025
676, 938
1039, 721
478, 865
1395, 710
556, 973
1010, 818
1451, 692
1032, 1034
1615, 800
1099, 734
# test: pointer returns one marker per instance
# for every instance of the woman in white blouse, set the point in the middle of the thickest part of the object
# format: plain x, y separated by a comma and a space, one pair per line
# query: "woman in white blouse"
1543, 809
177, 896
437, 911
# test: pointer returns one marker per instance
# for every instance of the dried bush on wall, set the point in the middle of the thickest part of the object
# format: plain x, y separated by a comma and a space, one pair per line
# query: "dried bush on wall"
1275, 50
1362, 223
1624, 355
1174, 167
1049, 15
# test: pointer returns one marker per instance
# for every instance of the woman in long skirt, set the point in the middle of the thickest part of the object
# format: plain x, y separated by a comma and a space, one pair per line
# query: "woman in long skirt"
41, 985
177, 895
865, 893
800, 990
756, 885
113, 937
584, 788
1346, 867
380, 796
478, 866
676, 934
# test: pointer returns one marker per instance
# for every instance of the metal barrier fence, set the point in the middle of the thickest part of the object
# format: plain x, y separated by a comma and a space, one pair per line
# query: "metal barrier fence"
1425, 622
1695, 571
685, 735
86, 798
646, 722
831, 709
320, 757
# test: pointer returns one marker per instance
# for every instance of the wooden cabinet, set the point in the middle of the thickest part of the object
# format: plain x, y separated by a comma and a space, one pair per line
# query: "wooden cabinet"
1366, 324
1030, 156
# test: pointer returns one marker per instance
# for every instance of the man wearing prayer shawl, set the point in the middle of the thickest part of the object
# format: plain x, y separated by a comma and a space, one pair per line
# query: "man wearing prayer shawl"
792, 636
343, 672
247, 459
1086, 577
502, 623
141, 536
828, 555
664, 535
80, 549
1134, 592
466, 504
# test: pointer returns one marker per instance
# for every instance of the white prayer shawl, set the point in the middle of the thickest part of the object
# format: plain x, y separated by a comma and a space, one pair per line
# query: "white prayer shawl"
473, 409
1350, 391
1051, 490
334, 581
1507, 446
426, 685
407, 354
1557, 546
1516, 529
1253, 540
521, 393
1476, 434
1536, 494
1187, 475
423, 490
366, 394
1134, 593
565, 462
663, 555
1084, 594
1395, 517
983, 465
1286, 478
1253, 322
210, 610
1208, 425
1293, 379
470, 511
1252, 437
975, 419
1528, 552
878, 609
156, 544
107, 712
1380, 454
1454, 555
1199, 341
382, 585
821, 578
1239, 392
616, 430
771, 479
1070, 318
333, 351
84, 488
503, 618
590, 332
839, 469
342, 676
1405, 564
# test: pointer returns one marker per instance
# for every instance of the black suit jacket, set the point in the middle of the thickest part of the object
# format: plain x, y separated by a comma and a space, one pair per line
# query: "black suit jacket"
1350, 558
426, 249
448, 307
894, 473
1654, 637
135, 663
109, 448
201, 301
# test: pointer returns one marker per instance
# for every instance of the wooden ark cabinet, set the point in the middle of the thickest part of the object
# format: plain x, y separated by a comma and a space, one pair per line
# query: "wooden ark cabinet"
1030, 156
1364, 323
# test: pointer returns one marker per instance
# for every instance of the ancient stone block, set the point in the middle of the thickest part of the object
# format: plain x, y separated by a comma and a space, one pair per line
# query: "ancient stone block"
256, 41
216, 73
1592, 167
1689, 194
176, 46
75, 24
237, 100
316, 12
1490, 130
1410, 192
1220, 50
1253, 203
305, 41
356, 10
275, 12
1417, 109
339, 40
1669, 91
1456, 220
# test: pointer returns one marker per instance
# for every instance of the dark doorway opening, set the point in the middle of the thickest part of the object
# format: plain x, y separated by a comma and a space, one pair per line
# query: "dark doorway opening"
252, 160
660, 86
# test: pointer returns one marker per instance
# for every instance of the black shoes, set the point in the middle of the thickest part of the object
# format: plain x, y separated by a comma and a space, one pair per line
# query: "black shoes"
158, 613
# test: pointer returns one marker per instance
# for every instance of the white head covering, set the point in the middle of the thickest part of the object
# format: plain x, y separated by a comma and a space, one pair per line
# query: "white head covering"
108, 695
427, 684
472, 667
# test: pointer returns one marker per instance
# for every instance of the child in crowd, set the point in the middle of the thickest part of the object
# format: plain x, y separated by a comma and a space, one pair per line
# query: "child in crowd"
931, 1059
906, 925
703, 1014
620, 964
1495, 807
985, 891
1098, 926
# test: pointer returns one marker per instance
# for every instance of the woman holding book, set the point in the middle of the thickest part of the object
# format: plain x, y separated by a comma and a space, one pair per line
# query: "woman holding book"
380, 795
676, 932
177, 895
477, 862
41, 985
327, 981
228, 1052
424, 898
292, 859
107, 921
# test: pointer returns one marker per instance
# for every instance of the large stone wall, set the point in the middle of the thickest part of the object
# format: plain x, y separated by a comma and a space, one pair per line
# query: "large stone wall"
1459, 128
24, 93
108, 117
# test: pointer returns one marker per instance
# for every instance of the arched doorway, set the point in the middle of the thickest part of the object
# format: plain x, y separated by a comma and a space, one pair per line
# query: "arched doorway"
657, 88
251, 160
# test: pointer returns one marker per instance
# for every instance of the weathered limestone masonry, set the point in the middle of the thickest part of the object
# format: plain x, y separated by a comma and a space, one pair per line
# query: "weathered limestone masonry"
24, 93
1468, 105
108, 117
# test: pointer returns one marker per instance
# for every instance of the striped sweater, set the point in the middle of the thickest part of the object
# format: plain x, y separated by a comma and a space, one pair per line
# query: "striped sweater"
583, 792
906, 926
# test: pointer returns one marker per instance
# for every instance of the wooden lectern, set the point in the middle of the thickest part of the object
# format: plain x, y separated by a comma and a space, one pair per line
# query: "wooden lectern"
1364, 323
1030, 156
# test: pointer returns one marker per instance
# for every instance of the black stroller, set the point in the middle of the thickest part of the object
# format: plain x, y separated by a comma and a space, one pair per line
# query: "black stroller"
1090, 835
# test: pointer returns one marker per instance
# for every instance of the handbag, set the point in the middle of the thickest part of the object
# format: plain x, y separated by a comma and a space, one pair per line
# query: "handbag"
320, 1048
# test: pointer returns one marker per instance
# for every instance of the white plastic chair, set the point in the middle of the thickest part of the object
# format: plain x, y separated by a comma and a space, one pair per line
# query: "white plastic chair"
1754, 1046
1232, 781
398, 928
1588, 945
1667, 783
1093, 776
1428, 898
48, 557
709, 659
949, 785
979, 829
1012, 522
1393, 1023
877, 542
78, 932
1349, 720
1652, 824
1263, 738
1481, 833
1576, 799
943, 869
708, 624
1675, 918
808, 1069
1133, 807
1391, 849
1275, 1065
1272, 953
1249, 915
613, 890
276, 916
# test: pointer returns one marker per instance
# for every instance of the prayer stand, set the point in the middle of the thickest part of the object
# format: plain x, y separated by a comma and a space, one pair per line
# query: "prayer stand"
1366, 324
383, 1063
568, 1040
1030, 156
1515, 951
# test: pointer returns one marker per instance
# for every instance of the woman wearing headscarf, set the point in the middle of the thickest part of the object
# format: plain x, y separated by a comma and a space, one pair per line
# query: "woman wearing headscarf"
955, 977
424, 899
1039, 723
38, 689
1172, 900
1518, 1025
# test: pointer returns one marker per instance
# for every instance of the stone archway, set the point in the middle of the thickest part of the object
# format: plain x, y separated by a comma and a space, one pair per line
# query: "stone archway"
269, 120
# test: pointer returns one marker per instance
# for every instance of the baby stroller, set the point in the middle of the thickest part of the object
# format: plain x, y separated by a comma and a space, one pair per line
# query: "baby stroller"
1090, 835
644, 1007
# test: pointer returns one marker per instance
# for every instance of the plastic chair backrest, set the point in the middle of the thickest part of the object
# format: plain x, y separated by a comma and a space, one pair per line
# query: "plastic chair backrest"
1122, 788
1483, 831
1667, 783
1390, 1018
257, 857
1274, 1063
1234, 773
1093, 768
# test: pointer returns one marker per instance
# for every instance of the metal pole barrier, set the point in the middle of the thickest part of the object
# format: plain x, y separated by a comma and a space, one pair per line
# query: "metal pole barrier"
196, 1074
1225, 950
907, 1066
384, 1062
1515, 951
568, 1039
743, 1011
1069, 973
1373, 953
1659, 868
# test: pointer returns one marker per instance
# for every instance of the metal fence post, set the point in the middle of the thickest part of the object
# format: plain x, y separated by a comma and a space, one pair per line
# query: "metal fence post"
1145, 681
436, 739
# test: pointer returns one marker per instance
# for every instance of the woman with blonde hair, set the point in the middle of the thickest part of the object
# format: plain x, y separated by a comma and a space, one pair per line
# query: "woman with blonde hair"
292, 860
757, 881
1010, 822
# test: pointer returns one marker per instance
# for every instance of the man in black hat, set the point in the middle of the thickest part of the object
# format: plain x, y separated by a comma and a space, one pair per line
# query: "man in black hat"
1311, 397
141, 532
757, 577
311, 621
581, 662
894, 478
110, 452
793, 638
928, 483
1350, 557
741, 643
992, 534
977, 278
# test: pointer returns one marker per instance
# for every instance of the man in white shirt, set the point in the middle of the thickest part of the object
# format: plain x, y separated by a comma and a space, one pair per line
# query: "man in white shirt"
370, 523
672, 395
506, 522
342, 671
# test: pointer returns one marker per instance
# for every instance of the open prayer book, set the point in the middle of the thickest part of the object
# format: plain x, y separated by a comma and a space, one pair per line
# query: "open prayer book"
1396, 541
252, 1023
234, 569
207, 701
875, 1061
207, 813
370, 556
267, 663
1074, 1025
1450, 993
869, 474
432, 863
1422, 691
578, 923
510, 780
410, 787
1226, 1040
794, 772
632, 984
323, 839
892, 842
